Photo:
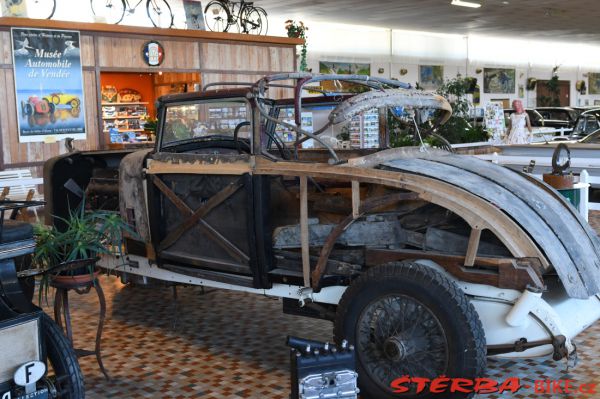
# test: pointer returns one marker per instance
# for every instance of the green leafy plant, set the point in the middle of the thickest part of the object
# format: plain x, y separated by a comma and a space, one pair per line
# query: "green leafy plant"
83, 236
458, 129
150, 124
553, 100
298, 30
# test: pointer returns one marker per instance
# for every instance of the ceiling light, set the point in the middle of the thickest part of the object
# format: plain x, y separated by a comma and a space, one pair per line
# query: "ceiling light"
465, 3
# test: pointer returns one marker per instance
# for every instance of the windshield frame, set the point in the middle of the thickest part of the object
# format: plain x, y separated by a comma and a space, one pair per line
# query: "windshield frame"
161, 146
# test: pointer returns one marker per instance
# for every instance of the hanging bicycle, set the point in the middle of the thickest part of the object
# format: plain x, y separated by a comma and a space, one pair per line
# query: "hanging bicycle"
37, 9
113, 11
240, 17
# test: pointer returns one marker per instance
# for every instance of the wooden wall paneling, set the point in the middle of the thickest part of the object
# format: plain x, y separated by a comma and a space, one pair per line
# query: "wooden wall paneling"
9, 118
87, 50
5, 48
94, 134
120, 52
235, 57
277, 93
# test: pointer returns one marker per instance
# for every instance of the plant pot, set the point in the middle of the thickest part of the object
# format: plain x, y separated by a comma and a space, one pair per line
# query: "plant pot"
79, 267
76, 280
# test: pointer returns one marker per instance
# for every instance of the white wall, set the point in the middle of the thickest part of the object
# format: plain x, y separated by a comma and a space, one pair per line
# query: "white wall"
394, 50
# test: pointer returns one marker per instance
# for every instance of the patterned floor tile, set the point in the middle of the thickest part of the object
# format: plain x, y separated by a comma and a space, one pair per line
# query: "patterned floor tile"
215, 344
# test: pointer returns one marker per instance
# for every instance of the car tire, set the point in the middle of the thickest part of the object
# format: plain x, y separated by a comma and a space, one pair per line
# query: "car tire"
55, 99
28, 109
67, 378
74, 103
385, 314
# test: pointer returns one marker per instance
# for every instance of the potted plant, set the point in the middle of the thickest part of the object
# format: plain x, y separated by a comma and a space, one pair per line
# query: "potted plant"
298, 30
150, 124
70, 252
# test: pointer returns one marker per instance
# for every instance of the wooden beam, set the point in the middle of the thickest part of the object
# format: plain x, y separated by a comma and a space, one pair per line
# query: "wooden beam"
304, 230
156, 33
508, 273
473, 246
355, 199
468, 206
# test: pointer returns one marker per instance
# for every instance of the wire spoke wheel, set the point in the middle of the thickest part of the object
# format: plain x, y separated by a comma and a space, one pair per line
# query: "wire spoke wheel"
264, 21
399, 336
409, 320
217, 17
251, 22
41, 9
159, 12
110, 11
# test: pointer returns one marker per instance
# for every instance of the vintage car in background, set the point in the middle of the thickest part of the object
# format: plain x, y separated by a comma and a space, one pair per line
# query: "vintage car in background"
64, 99
36, 359
425, 261
587, 122
36, 106
558, 117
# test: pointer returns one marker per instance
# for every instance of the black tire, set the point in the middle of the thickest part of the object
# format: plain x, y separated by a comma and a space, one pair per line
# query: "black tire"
437, 306
67, 377
28, 109
217, 16
264, 19
112, 10
251, 21
156, 9
43, 9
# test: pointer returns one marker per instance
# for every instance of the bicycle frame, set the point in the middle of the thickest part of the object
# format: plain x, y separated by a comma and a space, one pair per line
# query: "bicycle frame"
130, 9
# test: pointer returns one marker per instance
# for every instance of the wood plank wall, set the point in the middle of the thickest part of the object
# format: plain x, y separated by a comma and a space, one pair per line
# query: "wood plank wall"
101, 51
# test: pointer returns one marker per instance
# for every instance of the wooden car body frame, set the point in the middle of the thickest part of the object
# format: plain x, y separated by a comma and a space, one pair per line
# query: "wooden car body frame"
239, 214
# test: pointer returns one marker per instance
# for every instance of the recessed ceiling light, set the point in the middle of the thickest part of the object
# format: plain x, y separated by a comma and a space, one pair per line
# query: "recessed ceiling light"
462, 3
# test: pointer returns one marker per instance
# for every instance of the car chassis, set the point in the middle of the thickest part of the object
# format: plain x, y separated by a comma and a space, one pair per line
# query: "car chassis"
477, 258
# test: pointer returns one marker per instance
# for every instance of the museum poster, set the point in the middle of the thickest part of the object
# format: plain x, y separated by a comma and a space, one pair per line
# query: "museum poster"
48, 84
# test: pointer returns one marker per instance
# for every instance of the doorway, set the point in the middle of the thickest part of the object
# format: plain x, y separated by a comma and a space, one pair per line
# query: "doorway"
560, 97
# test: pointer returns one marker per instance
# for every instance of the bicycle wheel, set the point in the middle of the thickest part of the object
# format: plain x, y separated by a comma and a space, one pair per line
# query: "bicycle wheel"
217, 16
264, 20
111, 11
252, 21
159, 12
41, 9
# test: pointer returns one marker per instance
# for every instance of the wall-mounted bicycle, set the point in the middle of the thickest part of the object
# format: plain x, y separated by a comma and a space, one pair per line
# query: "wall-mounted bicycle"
113, 11
238, 17
38, 9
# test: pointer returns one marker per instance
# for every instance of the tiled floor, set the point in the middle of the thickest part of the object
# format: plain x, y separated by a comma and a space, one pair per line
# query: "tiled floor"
221, 344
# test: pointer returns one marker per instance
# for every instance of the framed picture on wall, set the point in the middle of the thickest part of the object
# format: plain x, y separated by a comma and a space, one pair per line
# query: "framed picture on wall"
194, 15
594, 83
343, 68
431, 77
499, 80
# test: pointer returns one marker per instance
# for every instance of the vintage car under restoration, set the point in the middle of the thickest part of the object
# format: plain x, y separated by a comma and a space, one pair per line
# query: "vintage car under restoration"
426, 261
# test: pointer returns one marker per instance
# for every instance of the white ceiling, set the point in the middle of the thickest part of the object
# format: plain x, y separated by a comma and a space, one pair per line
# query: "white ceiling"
570, 20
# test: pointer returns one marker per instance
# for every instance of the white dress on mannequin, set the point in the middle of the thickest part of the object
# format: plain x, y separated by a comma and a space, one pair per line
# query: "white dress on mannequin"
518, 133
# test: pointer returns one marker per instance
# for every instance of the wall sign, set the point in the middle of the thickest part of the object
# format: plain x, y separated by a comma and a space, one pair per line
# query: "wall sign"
153, 53
48, 84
